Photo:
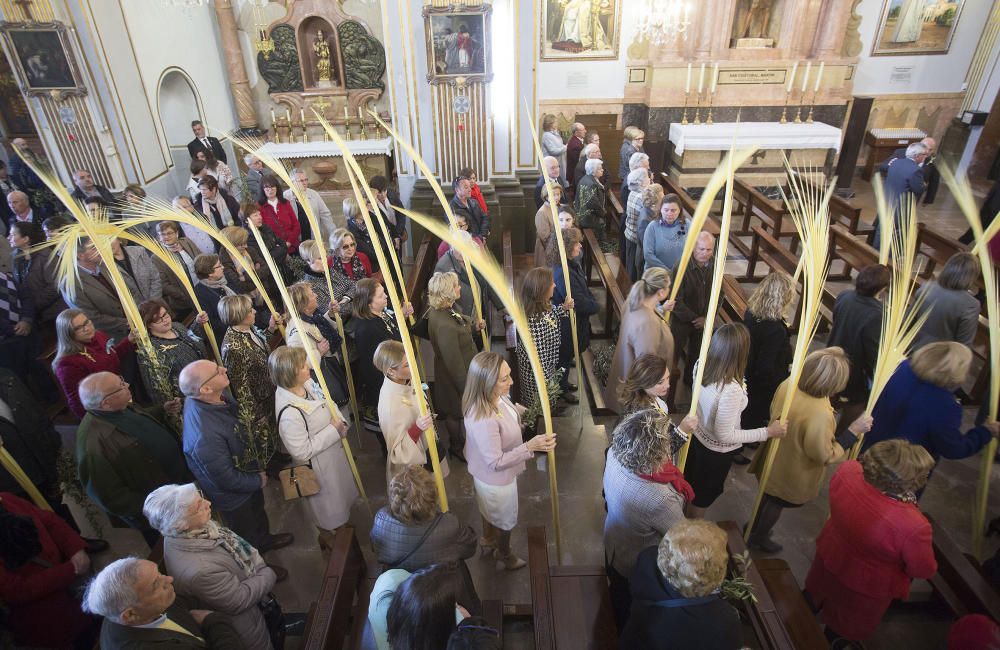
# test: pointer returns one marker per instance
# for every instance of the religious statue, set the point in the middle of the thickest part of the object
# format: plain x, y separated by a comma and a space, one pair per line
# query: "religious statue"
322, 51
756, 20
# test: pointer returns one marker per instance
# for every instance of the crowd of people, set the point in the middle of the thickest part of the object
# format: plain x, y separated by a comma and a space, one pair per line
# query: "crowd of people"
179, 445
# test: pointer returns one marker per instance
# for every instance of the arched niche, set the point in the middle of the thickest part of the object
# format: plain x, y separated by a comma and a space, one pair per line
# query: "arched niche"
308, 34
178, 104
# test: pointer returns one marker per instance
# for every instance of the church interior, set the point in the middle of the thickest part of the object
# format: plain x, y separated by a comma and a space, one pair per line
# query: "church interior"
834, 162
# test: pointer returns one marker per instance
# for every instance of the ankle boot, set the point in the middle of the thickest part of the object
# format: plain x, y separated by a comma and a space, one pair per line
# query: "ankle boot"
506, 560
488, 542
325, 539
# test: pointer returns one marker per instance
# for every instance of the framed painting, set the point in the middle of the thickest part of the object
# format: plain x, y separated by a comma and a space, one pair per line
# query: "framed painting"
917, 27
580, 29
42, 58
14, 116
458, 43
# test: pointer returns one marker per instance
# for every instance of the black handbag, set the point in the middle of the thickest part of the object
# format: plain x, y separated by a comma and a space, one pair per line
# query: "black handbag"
274, 619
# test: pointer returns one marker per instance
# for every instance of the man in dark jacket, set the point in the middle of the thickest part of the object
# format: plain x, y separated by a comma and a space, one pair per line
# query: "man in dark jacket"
124, 453
141, 610
479, 223
904, 178
688, 320
203, 142
84, 188
212, 445
553, 173
573, 149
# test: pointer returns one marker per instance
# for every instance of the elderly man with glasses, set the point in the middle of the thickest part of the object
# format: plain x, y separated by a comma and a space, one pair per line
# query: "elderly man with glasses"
125, 452
215, 448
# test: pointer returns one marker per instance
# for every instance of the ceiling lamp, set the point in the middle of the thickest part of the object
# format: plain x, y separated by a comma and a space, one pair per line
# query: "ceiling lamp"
662, 21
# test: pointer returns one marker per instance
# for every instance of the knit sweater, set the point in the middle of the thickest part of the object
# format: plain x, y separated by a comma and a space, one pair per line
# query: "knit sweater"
719, 410
663, 244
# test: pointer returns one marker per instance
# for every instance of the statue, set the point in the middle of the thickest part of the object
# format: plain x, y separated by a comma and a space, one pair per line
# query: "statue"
363, 55
752, 24
322, 51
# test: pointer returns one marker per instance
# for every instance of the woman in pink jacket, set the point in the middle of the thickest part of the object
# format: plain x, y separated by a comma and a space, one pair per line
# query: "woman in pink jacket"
496, 452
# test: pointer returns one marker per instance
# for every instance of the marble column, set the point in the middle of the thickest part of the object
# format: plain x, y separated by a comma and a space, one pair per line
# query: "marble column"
831, 28
239, 84
708, 27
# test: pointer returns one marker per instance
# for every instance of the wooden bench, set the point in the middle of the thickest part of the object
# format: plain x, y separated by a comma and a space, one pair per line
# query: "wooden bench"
341, 608
509, 330
935, 248
734, 303
774, 216
614, 308
959, 582
850, 251
780, 617
571, 605
424, 260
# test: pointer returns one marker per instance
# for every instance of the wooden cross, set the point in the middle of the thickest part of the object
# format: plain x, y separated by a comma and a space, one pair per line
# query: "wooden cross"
25, 9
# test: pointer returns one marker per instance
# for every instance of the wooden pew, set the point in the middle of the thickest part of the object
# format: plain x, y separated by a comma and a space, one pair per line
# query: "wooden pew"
614, 308
734, 305
780, 617
935, 248
616, 213
341, 609
773, 215
424, 259
571, 605
959, 582
853, 253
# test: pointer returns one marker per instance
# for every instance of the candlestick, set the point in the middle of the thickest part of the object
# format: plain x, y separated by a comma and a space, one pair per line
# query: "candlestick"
687, 84
701, 78
798, 115
809, 119
288, 115
819, 77
715, 79
784, 109
791, 79
697, 108
684, 119
361, 114
805, 76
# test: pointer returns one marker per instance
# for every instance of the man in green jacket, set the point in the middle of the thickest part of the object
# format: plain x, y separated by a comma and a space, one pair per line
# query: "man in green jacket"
123, 452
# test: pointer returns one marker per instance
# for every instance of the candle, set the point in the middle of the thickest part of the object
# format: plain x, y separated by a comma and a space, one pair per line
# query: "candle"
361, 113
272, 116
791, 77
819, 76
715, 77
347, 115
701, 78
288, 115
687, 85
805, 76
302, 115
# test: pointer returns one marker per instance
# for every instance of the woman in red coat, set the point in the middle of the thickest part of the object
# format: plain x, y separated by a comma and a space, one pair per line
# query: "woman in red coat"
40, 559
83, 350
876, 540
278, 214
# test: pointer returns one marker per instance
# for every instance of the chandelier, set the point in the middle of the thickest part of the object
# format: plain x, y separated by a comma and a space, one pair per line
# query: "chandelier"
662, 21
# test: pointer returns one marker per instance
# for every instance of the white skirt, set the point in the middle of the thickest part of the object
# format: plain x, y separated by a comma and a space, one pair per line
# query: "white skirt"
497, 503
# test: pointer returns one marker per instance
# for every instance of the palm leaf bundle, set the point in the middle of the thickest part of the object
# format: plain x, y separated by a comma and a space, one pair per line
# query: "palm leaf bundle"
886, 219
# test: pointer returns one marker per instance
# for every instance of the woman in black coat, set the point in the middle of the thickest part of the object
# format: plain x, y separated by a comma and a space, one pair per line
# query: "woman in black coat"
585, 304
770, 350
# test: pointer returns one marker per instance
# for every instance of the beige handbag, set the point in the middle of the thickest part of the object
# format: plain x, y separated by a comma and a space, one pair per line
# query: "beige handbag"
300, 480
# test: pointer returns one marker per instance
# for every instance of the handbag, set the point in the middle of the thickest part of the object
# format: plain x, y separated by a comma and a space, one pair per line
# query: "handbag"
274, 619
300, 480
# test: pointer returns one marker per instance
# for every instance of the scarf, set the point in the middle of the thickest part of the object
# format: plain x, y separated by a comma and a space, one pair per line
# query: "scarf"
219, 206
245, 555
218, 284
353, 269
668, 474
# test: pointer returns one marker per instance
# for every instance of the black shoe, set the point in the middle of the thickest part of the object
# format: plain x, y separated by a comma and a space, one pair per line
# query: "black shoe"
766, 545
280, 572
281, 540
570, 398
95, 545
740, 459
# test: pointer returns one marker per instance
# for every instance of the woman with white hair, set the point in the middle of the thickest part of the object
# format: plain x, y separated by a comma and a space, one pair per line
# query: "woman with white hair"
211, 563
347, 263
358, 227
637, 181
343, 288
312, 434
591, 198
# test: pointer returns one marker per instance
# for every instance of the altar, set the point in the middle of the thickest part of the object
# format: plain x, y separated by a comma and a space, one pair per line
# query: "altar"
698, 149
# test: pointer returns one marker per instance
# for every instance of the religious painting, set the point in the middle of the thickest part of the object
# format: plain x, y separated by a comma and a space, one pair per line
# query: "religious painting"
580, 29
41, 55
15, 120
458, 43
917, 27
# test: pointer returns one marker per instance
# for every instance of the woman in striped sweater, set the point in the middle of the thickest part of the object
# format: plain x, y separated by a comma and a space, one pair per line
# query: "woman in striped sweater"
721, 402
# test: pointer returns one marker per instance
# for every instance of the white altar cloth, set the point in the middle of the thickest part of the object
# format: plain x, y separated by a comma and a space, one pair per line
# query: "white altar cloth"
766, 135
320, 149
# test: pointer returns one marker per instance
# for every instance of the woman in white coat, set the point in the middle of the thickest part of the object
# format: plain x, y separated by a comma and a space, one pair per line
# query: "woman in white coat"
398, 414
312, 434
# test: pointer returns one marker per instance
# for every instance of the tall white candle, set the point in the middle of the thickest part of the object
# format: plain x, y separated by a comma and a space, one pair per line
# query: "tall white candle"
805, 76
819, 76
791, 77
701, 78
715, 77
687, 85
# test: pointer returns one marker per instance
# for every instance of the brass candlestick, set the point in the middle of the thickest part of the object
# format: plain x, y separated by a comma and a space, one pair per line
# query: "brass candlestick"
798, 109
784, 109
305, 133
364, 135
708, 120
684, 119
347, 126
697, 108
809, 119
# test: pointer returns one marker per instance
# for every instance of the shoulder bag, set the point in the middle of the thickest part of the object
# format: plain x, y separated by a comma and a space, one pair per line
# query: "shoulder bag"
300, 480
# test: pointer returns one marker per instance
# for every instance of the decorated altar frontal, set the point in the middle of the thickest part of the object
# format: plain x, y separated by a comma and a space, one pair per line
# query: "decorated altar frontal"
697, 149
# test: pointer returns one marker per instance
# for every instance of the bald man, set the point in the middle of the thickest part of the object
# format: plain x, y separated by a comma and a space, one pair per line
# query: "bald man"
553, 173
573, 149
688, 320
21, 210
124, 452
215, 448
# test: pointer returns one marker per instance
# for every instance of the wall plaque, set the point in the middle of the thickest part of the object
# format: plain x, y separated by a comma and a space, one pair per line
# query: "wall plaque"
745, 77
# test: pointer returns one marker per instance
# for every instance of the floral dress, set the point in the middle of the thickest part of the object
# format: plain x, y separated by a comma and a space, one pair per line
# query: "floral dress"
245, 356
544, 329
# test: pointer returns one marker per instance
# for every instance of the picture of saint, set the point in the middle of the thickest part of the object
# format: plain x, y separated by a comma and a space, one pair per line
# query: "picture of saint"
580, 29
42, 59
458, 45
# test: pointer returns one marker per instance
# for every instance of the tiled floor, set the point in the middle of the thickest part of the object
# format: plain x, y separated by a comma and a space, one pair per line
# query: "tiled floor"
580, 460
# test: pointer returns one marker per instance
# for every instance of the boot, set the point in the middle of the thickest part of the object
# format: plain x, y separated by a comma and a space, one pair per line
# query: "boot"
325, 539
506, 560
488, 542
760, 537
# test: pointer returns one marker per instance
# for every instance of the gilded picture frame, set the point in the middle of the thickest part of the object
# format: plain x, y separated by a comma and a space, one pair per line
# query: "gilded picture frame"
42, 59
908, 27
459, 43
574, 30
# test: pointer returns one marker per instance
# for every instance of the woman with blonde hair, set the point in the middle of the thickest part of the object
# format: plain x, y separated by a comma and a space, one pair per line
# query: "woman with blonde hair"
770, 350
312, 434
642, 331
720, 402
544, 320
496, 452
810, 446
918, 404
876, 540
398, 413
318, 330
452, 335
237, 278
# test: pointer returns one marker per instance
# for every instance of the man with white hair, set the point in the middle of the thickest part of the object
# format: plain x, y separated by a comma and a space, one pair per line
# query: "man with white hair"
316, 202
688, 321
141, 610
590, 151
553, 174
124, 452
214, 439
255, 173
904, 178
573, 149
591, 198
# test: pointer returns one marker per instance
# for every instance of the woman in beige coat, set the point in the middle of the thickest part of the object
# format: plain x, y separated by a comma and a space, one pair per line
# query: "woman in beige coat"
809, 446
543, 223
643, 331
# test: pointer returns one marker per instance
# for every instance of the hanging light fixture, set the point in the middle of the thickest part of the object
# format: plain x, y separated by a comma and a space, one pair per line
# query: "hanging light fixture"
663, 21
263, 41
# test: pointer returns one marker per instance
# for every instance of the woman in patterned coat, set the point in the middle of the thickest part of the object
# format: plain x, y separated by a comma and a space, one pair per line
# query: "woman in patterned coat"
543, 321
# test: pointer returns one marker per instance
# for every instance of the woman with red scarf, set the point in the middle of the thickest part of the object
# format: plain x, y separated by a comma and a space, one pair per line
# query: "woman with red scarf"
278, 214
645, 493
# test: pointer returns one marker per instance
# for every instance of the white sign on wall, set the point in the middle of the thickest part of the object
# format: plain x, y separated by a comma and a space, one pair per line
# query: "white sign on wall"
901, 75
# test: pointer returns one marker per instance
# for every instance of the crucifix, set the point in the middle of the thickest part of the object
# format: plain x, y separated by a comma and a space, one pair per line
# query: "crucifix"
321, 105
25, 6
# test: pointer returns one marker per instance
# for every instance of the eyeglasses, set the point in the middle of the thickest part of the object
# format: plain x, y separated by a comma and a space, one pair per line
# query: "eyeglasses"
122, 386
219, 370
161, 318
87, 323
349, 246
